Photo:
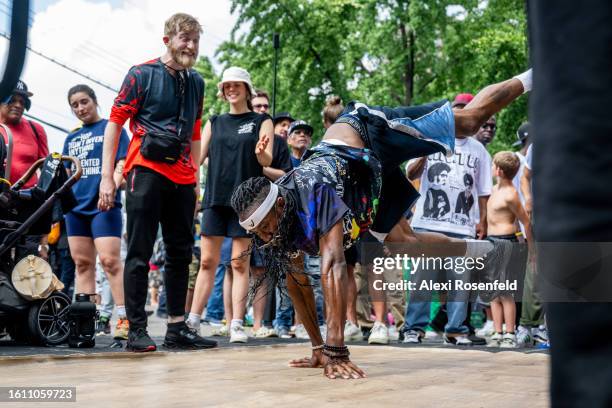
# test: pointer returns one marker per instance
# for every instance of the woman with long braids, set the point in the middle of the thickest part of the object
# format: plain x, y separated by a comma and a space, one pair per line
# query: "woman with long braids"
350, 185
238, 145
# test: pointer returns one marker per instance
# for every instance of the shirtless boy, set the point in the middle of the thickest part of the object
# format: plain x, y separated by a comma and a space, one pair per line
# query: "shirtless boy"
503, 210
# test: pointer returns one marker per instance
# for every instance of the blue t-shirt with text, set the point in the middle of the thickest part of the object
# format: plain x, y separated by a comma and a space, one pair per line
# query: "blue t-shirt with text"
86, 144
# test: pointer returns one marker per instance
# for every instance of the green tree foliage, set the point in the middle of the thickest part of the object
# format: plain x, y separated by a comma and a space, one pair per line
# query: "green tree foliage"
382, 52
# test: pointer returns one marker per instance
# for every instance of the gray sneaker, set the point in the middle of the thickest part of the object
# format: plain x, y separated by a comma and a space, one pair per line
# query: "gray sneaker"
524, 337
412, 337
283, 333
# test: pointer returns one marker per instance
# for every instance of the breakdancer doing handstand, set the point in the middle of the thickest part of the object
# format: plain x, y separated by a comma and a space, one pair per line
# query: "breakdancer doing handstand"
349, 185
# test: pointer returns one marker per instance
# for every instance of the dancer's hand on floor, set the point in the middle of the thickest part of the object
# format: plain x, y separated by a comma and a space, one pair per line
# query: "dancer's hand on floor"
346, 369
318, 360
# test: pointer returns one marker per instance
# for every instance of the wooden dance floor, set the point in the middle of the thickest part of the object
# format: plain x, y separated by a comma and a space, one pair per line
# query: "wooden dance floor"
260, 377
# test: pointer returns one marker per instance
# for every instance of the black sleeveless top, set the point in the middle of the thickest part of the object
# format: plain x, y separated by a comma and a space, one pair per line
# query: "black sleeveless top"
231, 155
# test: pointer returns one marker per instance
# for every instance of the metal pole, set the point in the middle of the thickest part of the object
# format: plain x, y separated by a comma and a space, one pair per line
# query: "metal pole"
276, 40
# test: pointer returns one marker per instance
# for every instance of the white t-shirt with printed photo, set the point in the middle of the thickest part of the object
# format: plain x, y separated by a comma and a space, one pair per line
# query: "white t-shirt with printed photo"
450, 187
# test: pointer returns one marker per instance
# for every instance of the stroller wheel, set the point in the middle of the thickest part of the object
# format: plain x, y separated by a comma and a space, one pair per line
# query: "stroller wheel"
48, 320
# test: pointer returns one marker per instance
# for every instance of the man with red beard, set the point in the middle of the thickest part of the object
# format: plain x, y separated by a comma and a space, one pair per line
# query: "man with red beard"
163, 99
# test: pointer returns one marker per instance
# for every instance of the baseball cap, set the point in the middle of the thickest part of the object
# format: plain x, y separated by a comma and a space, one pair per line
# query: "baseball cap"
281, 116
21, 89
236, 74
300, 124
522, 134
463, 99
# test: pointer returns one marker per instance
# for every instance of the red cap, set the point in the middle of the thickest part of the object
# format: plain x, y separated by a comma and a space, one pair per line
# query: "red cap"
463, 99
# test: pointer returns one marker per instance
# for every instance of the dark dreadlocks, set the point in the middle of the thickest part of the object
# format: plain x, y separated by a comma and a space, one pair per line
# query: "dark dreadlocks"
277, 257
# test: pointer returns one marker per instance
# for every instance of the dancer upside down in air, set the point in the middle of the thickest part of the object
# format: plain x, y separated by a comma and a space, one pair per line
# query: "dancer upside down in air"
351, 185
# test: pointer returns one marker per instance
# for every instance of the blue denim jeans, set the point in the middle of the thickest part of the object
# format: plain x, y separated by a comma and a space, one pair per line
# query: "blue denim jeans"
214, 308
66, 268
284, 310
417, 313
312, 266
107, 303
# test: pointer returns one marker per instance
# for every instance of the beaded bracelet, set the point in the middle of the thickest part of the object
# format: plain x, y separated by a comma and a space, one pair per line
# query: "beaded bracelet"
336, 352
319, 347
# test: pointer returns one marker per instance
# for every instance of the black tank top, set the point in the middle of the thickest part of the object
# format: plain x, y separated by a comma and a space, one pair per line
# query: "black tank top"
231, 155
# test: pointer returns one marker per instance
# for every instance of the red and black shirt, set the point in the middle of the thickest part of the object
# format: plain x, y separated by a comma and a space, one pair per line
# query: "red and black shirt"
150, 96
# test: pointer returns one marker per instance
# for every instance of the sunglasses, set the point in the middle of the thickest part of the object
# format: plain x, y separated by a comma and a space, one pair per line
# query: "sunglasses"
261, 105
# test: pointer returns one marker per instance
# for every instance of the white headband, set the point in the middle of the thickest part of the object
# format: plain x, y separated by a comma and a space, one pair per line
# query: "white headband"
260, 213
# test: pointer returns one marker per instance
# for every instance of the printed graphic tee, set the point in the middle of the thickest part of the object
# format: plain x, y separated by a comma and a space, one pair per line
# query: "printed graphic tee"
231, 155
332, 184
450, 187
86, 144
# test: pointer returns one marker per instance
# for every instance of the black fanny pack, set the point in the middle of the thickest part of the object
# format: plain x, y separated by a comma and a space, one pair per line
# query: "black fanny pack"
166, 147
163, 147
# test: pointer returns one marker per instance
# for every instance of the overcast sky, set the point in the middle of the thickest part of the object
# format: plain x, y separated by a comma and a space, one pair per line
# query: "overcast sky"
101, 39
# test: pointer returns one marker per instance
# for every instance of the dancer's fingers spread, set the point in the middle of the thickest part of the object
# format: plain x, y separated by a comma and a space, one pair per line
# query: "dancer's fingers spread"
301, 363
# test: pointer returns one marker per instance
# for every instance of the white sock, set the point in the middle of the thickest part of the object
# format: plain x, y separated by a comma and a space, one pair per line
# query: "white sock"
526, 80
121, 312
194, 320
236, 322
476, 248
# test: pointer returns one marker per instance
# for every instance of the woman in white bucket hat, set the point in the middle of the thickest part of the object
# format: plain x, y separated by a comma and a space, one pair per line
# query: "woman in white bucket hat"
238, 145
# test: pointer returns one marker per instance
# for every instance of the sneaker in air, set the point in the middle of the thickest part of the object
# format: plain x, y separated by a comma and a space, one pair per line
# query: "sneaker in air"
379, 334
352, 332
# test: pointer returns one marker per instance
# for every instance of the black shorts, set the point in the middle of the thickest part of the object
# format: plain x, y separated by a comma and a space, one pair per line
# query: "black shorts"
510, 267
397, 135
221, 221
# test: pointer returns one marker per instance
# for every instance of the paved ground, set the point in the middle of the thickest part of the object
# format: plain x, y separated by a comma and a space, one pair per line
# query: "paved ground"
257, 374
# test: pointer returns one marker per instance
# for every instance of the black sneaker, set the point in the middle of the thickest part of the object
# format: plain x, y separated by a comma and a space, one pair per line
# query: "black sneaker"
476, 340
139, 341
186, 339
103, 326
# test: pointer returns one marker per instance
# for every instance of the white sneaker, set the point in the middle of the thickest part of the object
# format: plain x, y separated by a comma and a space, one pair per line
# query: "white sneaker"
238, 335
540, 334
524, 337
412, 337
458, 340
220, 331
495, 340
487, 330
379, 334
300, 332
432, 335
508, 341
196, 328
393, 333
352, 332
